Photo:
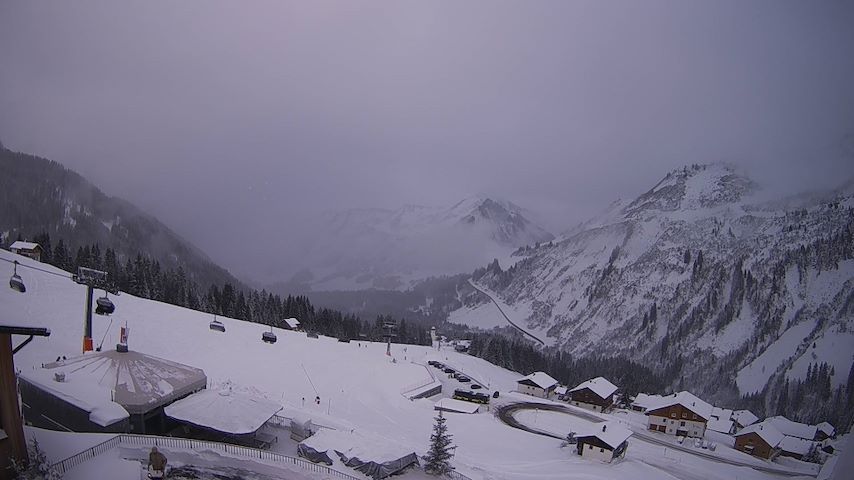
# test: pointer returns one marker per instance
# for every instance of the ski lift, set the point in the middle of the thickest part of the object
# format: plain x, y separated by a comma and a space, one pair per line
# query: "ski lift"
104, 305
217, 325
16, 283
268, 337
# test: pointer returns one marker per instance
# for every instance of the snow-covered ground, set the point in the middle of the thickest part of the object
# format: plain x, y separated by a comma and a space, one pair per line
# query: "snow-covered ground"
358, 385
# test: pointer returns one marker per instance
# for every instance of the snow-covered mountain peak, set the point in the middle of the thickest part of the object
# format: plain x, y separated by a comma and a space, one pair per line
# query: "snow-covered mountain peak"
383, 248
695, 187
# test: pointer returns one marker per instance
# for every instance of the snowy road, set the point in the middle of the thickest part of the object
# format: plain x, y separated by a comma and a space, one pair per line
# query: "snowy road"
505, 414
498, 306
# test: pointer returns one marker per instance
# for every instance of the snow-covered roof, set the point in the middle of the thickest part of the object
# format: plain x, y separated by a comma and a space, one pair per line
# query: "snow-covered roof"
599, 385
292, 322
721, 413
722, 425
827, 428
687, 400
792, 428
795, 445
456, 405
224, 411
540, 379
642, 400
20, 245
766, 431
744, 417
137, 382
357, 443
612, 433
561, 390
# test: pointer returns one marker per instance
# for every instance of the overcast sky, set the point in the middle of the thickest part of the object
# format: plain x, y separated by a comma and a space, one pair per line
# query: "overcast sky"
232, 121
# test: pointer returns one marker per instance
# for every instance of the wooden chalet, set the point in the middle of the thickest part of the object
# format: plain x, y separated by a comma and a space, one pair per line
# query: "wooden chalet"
682, 414
596, 394
824, 430
291, 324
27, 249
604, 442
743, 418
760, 440
538, 384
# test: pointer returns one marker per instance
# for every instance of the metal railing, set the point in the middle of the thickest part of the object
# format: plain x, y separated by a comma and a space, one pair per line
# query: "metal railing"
174, 442
65, 465
285, 422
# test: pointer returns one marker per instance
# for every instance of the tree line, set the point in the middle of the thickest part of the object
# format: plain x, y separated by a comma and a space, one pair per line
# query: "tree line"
144, 277
523, 357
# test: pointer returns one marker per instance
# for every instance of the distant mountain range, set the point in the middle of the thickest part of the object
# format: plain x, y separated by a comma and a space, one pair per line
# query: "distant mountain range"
392, 249
39, 195
694, 273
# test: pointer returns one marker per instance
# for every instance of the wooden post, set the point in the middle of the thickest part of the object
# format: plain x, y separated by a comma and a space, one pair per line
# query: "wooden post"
15, 445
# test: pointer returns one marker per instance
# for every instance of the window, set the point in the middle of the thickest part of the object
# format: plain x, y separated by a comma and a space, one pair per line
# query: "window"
590, 447
673, 414
601, 450
681, 424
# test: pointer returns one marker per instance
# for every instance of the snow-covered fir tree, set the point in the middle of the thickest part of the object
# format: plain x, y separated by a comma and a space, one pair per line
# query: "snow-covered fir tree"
438, 458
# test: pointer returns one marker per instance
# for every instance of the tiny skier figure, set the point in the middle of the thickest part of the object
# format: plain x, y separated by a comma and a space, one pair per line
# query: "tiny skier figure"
156, 465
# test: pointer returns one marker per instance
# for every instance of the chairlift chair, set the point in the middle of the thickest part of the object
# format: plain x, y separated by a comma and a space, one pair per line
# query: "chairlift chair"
268, 337
217, 325
16, 283
104, 305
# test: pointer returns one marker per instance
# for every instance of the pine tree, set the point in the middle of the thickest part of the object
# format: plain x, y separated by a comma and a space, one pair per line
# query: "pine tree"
441, 451
38, 468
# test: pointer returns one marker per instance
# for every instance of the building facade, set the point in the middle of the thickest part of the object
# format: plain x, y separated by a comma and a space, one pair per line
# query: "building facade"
27, 249
677, 420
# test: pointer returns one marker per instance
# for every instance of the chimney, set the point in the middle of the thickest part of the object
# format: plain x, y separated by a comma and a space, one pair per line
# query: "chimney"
604, 427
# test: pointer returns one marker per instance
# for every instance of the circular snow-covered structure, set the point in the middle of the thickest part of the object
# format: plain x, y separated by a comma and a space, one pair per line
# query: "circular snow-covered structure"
107, 391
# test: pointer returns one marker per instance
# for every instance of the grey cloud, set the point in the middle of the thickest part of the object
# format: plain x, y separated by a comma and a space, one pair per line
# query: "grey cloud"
233, 120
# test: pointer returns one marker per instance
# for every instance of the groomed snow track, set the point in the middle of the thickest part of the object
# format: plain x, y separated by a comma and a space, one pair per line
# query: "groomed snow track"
498, 306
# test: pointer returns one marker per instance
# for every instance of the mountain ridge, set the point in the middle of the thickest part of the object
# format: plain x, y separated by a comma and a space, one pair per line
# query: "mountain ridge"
43, 196
692, 272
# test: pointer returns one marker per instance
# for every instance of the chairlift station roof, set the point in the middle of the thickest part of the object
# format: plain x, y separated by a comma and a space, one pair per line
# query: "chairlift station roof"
224, 411
137, 382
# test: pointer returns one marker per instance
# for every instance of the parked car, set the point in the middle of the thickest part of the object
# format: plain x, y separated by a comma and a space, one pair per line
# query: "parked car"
698, 443
449, 370
475, 386
463, 378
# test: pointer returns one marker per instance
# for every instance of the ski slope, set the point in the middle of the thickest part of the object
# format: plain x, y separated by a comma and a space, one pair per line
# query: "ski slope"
358, 385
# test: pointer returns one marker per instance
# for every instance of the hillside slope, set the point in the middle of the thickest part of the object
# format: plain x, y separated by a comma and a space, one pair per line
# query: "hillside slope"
359, 386
40, 195
693, 273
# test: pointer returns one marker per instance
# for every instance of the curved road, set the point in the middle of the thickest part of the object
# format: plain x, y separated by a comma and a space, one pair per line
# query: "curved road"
505, 414
504, 314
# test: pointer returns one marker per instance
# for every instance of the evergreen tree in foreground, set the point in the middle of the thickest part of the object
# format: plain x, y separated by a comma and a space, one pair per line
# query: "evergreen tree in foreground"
438, 458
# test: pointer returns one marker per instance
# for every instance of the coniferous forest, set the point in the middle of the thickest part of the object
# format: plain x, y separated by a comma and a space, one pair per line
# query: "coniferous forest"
144, 277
